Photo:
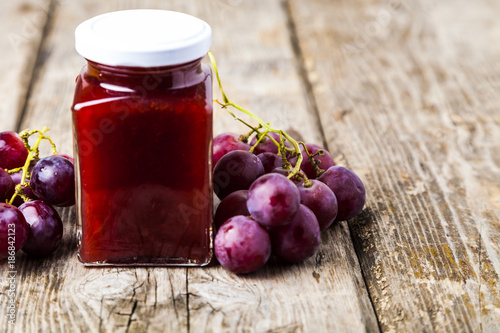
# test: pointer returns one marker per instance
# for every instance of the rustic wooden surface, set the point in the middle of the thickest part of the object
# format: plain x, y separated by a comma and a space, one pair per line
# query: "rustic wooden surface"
405, 93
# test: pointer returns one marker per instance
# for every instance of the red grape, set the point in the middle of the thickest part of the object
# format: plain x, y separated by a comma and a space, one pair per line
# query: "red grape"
242, 245
273, 199
52, 180
13, 153
297, 240
236, 171
232, 205
14, 230
6, 185
224, 143
326, 160
270, 161
348, 189
46, 228
321, 200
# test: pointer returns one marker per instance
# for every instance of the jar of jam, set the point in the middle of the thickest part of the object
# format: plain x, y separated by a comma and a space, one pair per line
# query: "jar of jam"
142, 123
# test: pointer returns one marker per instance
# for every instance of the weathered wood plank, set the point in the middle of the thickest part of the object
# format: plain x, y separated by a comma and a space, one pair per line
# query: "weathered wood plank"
408, 94
22, 24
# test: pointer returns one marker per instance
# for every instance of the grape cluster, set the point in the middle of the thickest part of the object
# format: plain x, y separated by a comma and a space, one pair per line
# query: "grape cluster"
29, 188
272, 206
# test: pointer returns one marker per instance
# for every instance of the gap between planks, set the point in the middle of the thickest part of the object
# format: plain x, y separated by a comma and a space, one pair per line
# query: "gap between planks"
188, 326
302, 70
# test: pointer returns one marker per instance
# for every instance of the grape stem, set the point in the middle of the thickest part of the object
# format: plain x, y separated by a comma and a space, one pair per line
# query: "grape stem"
244, 138
314, 162
33, 152
262, 124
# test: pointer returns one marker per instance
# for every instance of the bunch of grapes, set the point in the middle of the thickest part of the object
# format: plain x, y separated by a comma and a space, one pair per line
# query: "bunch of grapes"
277, 194
29, 188
271, 203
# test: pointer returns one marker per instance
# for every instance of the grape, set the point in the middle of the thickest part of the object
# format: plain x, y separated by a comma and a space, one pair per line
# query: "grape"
348, 189
236, 171
224, 143
6, 185
266, 144
270, 161
326, 160
52, 180
273, 199
232, 205
242, 245
46, 228
13, 153
321, 200
14, 230
297, 240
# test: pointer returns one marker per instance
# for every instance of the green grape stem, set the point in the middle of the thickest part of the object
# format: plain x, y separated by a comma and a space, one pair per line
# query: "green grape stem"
33, 154
244, 138
265, 126
314, 162
259, 141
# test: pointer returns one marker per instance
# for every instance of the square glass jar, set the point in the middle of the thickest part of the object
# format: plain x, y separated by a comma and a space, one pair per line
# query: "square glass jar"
142, 123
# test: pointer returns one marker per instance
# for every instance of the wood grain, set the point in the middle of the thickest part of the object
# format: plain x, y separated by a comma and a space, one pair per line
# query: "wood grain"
408, 95
22, 25
260, 71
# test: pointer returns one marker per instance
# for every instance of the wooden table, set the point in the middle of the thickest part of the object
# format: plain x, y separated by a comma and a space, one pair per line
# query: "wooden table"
405, 93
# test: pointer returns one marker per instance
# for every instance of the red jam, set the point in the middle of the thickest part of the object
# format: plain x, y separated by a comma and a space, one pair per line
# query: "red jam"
142, 147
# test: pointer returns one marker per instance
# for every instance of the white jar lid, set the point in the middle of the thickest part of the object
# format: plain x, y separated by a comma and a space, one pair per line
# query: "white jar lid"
143, 38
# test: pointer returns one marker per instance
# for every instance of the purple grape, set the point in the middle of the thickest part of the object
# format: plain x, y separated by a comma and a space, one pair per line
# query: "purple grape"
13, 153
46, 228
326, 160
14, 230
236, 171
52, 180
242, 245
273, 199
232, 205
6, 185
224, 143
348, 189
270, 161
320, 199
267, 145
297, 240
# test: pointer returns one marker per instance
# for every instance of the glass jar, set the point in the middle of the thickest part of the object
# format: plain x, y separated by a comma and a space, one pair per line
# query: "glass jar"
142, 123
